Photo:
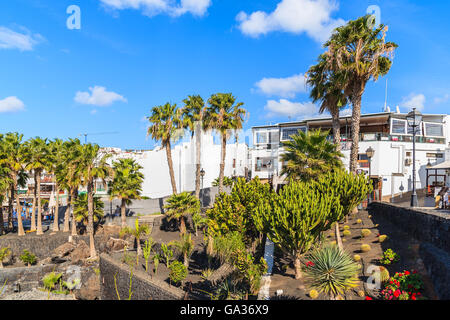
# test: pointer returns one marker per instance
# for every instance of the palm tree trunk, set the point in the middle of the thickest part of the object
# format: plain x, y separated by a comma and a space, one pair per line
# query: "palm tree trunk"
74, 221
21, 232
123, 213
356, 119
222, 161
33, 213
298, 268
182, 225
198, 143
170, 163
67, 213
90, 226
2, 223
56, 215
336, 129
11, 208
39, 218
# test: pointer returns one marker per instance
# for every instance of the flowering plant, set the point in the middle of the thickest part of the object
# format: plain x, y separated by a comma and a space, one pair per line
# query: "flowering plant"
403, 286
389, 257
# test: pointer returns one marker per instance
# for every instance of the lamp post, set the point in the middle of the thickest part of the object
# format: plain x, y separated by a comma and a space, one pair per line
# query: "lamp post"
370, 153
414, 119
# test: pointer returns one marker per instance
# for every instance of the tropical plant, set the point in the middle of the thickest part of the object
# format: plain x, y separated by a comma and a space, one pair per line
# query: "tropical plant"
156, 259
167, 254
5, 183
126, 184
178, 272
4, 253
250, 271
226, 246
389, 257
331, 271
295, 218
54, 165
181, 205
224, 115
28, 258
185, 246
227, 182
148, 245
199, 222
51, 280
193, 112
165, 120
81, 210
358, 53
310, 155
92, 166
138, 232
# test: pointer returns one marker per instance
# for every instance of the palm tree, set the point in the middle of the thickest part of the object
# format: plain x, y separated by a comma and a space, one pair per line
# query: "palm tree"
192, 118
223, 116
137, 232
5, 181
185, 246
126, 184
14, 158
54, 166
309, 155
179, 206
165, 120
92, 166
360, 54
81, 210
325, 88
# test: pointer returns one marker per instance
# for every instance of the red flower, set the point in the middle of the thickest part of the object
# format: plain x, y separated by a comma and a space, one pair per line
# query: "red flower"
413, 297
309, 264
397, 293
368, 298
407, 272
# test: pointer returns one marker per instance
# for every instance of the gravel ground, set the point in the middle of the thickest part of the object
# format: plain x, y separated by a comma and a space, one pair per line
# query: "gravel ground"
36, 295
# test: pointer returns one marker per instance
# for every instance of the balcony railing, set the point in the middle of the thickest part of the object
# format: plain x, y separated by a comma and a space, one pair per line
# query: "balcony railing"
394, 138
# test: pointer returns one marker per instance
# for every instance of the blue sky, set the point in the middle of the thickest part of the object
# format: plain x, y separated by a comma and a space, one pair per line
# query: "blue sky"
125, 59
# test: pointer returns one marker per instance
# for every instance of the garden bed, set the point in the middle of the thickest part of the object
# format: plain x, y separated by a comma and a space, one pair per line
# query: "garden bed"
283, 271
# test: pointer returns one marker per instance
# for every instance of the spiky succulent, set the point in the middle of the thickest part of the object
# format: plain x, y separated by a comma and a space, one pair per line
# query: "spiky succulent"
365, 248
365, 232
332, 271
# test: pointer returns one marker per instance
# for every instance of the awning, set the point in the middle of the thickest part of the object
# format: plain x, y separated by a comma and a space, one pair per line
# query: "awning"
441, 166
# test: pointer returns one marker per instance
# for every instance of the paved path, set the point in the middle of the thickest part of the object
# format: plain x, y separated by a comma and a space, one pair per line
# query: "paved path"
266, 279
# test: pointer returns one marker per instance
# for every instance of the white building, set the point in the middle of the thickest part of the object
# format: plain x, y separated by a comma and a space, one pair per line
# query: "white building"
157, 179
387, 133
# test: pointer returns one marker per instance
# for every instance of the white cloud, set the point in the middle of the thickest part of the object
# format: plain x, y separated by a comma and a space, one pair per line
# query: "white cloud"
290, 109
312, 17
11, 104
346, 112
154, 7
442, 99
98, 97
283, 87
414, 101
10, 39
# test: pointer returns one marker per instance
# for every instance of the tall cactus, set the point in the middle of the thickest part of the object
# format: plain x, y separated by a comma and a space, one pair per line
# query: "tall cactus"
295, 218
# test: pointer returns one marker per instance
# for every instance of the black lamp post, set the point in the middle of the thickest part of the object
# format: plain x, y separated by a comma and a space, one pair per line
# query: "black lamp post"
414, 119
370, 153
202, 175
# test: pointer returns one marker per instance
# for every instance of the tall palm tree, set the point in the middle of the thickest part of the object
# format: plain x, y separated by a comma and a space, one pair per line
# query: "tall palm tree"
126, 184
326, 89
55, 164
192, 118
92, 165
37, 161
14, 159
224, 116
165, 120
5, 180
309, 155
361, 54
179, 206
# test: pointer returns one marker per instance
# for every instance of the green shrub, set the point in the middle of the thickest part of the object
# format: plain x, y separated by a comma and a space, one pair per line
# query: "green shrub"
147, 250
227, 245
51, 280
178, 272
28, 258
389, 257
331, 270
167, 254
4, 253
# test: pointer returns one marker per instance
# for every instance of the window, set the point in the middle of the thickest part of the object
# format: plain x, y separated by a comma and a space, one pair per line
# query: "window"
398, 126
288, 132
435, 155
434, 129
264, 164
261, 137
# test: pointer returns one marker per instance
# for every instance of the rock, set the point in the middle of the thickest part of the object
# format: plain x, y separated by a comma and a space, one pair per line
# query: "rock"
117, 244
89, 290
64, 250
80, 253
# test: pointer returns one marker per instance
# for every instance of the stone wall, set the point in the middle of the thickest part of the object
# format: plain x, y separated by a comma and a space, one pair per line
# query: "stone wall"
432, 230
115, 280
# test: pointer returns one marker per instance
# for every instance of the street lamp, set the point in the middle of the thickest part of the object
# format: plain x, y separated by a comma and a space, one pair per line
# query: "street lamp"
414, 119
370, 153
202, 175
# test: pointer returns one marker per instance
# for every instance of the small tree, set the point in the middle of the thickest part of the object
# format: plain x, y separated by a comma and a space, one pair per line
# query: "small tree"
148, 245
178, 272
185, 246
167, 254
28, 258
137, 233
81, 210
181, 205
295, 218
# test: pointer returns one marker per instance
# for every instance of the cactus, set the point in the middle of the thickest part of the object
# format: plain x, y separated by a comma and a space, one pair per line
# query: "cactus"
346, 233
384, 274
313, 294
344, 240
356, 257
365, 248
365, 233
361, 293
359, 221
382, 238
370, 217
346, 227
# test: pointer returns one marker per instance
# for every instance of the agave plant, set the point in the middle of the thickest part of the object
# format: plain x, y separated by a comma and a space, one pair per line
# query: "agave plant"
331, 270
